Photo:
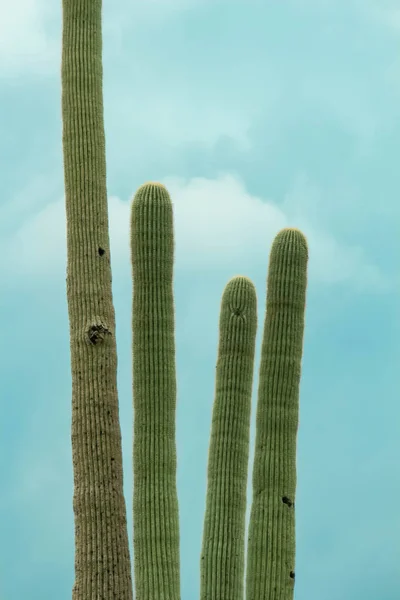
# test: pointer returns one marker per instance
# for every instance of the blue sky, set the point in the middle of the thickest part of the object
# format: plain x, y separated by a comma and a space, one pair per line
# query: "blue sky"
257, 115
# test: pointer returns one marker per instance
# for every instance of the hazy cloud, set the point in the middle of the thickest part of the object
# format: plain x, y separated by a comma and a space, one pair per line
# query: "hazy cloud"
26, 40
217, 223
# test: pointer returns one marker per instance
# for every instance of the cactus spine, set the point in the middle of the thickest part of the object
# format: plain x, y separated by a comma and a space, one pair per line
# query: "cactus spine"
155, 500
271, 542
271, 547
222, 559
102, 562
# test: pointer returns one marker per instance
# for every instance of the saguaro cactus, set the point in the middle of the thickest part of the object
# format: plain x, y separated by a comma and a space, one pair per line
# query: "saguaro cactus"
271, 543
271, 547
155, 500
222, 558
102, 562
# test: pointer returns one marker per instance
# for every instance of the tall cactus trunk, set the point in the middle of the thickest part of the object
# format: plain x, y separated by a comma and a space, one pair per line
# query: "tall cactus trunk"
102, 562
222, 559
155, 500
271, 543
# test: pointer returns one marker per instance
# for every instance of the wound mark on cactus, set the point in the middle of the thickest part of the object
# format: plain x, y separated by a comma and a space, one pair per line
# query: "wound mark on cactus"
238, 312
96, 333
101, 251
292, 575
286, 500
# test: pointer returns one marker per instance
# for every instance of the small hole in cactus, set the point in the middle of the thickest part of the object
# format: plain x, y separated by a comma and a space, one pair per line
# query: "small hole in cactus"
286, 500
291, 575
101, 251
97, 333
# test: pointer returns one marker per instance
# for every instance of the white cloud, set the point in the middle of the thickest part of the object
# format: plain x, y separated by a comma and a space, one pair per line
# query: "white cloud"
392, 18
175, 114
330, 260
25, 39
38, 247
382, 12
217, 224
30, 30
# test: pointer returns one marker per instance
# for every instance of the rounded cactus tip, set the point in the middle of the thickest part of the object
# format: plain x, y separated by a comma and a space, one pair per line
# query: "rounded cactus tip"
240, 291
152, 185
240, 281
152, 190
291, 235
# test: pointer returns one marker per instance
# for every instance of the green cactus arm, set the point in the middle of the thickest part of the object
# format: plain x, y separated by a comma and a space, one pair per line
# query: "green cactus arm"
222, 558
271, 542
102, 561
155, 501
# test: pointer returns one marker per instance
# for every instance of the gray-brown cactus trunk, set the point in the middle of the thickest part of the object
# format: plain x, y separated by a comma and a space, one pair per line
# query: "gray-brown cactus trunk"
102, 562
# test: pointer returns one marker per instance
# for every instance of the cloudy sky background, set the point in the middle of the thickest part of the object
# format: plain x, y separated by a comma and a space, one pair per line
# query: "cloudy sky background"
257, 115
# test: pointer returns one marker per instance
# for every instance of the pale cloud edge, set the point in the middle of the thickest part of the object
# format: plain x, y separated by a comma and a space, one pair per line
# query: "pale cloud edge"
218, 223
30, 30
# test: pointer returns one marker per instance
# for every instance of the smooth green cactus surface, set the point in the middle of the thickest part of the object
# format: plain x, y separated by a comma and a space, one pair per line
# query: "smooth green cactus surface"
102, 561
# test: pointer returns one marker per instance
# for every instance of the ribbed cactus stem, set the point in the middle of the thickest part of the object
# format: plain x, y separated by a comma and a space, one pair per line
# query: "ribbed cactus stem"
155, 501
271, 542
222, 559
102, 562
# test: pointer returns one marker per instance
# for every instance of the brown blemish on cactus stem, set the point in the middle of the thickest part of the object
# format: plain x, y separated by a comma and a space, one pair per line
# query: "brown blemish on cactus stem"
286, 500
101, 251
96, 333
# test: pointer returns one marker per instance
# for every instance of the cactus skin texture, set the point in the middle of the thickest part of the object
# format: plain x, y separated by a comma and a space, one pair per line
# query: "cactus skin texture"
271, 542
155, 500
222, 559
102, 561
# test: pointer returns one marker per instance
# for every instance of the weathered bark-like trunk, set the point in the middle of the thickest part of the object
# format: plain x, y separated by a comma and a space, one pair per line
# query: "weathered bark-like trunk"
102, 562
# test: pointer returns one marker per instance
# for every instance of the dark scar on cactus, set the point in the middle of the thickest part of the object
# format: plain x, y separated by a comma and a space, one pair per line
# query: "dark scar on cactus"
97, 333
292, 575
238, 312
101, 251
286, 500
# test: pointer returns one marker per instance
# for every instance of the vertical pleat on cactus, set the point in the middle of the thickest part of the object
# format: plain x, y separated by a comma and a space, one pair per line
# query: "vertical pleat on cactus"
102, 561
222, 559
271, 542
155, 501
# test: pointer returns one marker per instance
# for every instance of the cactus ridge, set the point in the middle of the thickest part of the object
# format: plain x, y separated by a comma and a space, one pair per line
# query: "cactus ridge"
271, 540
102, 561
155, 501
222, 558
